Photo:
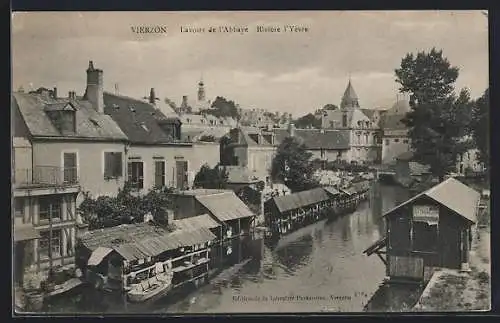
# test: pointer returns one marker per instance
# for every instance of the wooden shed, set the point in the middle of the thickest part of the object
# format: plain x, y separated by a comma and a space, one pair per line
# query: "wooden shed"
432, 229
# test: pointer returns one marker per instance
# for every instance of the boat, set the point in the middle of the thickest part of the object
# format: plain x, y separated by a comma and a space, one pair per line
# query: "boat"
157, 284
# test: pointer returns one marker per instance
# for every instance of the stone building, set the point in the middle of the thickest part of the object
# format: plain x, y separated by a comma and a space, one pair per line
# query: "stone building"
364, 133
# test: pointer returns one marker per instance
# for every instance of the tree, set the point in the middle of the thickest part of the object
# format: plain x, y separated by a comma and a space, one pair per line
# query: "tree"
308, 121
211, 177
438, 117
330, 106
291, 165
480, 127
221, 107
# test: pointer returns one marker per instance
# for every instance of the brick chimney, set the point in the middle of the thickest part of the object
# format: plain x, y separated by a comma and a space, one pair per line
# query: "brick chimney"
72, 95
54, 93
94, 92
152, 96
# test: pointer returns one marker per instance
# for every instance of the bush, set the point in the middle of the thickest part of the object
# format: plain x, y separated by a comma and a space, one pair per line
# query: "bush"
106, 211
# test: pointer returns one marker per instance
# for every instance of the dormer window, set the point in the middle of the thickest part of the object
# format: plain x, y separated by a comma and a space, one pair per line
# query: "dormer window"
63, 116
367, 124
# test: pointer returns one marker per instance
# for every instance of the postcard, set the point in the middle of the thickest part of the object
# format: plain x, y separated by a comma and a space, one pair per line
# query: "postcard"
250, 162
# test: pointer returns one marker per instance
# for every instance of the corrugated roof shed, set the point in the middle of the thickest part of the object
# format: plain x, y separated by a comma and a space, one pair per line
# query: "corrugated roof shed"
89, 124
196, 222
300, 199
225, 206
452, 194
138, 241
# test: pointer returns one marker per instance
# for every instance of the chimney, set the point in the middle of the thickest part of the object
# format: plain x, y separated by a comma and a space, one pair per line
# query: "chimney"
95, 88
54, 93
152, 96
184, 101
291, 130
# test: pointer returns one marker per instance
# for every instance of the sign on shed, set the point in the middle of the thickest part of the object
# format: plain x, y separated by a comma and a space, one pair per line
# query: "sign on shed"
426, 213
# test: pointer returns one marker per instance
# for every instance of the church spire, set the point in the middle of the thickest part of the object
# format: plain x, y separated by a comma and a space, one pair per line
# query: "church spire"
201, 90
350, 98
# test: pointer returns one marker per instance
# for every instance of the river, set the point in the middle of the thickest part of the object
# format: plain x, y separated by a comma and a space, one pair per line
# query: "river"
317, 268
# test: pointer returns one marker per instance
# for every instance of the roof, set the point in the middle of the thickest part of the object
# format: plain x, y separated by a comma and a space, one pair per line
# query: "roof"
331, 190
225, 206
392, 122
315, 139
138, 241
349, 93
239, 175
324, 139
353, 116
90, 124
196, 134
244, 137
196, 222
300, 199
139, 120
451, 193
406, 156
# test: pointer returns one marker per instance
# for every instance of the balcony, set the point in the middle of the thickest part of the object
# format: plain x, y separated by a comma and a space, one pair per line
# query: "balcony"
45, 176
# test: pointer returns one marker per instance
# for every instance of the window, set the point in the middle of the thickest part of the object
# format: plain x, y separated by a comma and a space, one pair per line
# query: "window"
19, 208
344, 120
405, 141
396, 140
45, 244
366, 138
387, 142
70, 168
136, 174
159, 173
49, 208
113, 165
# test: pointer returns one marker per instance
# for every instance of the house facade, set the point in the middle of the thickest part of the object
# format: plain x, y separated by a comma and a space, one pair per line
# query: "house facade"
251, 148
157, 156
395, 139
323, 144
43, 214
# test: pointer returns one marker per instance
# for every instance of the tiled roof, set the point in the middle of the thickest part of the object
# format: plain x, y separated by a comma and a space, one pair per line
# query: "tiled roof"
139, 120
90, 124
331, 190
245, 139
318, 139
454, 195
353, 115
225, 206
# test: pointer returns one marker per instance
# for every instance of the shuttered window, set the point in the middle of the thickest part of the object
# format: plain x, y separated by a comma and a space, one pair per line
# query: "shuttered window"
159, 173
113, 165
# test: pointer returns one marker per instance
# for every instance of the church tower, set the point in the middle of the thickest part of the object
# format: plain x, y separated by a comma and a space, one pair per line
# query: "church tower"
350, 98
201, 91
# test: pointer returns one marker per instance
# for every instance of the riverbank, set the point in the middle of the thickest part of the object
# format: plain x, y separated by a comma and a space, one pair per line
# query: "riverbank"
453, 290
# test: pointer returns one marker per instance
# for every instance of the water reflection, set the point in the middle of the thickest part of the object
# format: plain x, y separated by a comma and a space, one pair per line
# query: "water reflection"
320, 260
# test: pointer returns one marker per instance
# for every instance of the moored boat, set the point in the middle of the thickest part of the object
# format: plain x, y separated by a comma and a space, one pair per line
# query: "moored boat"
157, 284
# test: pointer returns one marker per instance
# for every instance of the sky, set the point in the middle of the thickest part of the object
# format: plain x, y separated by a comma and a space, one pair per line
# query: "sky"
287, 72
